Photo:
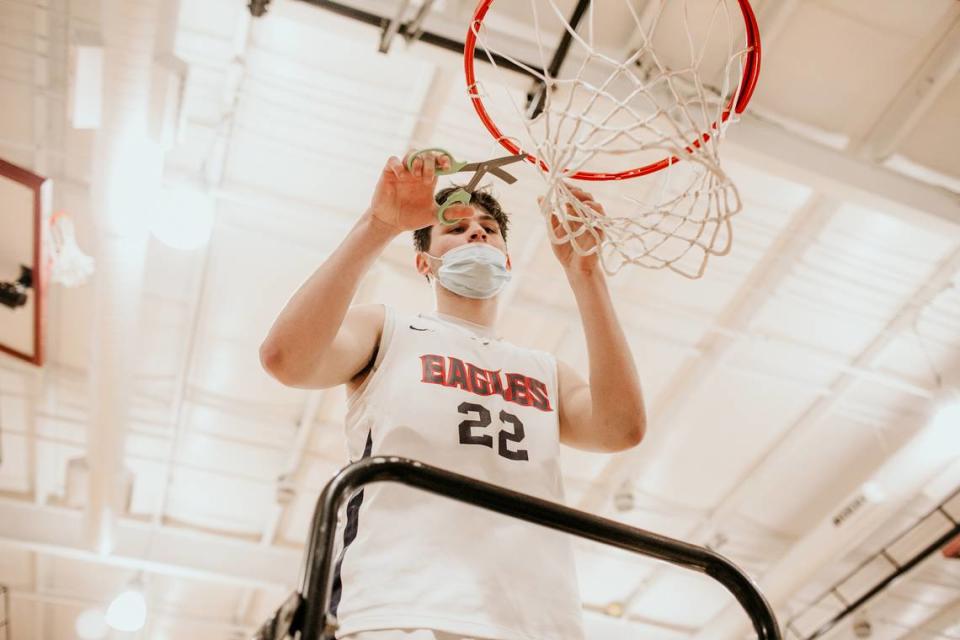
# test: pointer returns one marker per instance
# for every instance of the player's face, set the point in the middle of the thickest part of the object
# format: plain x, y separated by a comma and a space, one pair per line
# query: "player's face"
482, 227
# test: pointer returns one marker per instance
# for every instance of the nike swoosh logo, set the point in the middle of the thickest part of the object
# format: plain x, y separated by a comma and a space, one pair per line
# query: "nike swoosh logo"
419, 329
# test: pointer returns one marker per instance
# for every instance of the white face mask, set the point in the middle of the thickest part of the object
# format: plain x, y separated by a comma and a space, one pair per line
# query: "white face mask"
474, 270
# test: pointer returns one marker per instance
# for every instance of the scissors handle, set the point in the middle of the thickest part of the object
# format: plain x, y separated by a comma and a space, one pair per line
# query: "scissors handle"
463, 195
454, 165
460, 196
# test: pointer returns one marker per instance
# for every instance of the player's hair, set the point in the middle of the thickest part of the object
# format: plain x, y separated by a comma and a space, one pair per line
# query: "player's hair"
480, 198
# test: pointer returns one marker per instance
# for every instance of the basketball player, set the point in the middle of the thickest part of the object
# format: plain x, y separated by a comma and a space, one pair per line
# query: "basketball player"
440, 387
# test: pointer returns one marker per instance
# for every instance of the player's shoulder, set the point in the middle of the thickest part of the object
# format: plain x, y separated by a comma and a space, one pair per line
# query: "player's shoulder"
367, 312
366, 319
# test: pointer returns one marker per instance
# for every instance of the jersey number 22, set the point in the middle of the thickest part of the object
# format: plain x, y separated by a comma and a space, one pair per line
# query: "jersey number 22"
469, 429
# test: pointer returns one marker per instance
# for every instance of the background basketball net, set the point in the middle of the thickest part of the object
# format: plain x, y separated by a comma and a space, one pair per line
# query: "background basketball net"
658, 108
66, 263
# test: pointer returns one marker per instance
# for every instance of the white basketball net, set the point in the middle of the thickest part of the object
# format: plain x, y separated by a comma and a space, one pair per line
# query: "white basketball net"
610, 111
68, 265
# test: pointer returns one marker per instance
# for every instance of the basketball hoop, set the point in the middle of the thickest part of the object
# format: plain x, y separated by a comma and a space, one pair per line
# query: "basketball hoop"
66, 264
661, 106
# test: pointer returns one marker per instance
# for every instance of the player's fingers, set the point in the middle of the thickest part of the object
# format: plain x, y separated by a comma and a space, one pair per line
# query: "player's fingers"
586, 199
458, 212
581, 194
596, 206
553, 221
394, 166
429, 164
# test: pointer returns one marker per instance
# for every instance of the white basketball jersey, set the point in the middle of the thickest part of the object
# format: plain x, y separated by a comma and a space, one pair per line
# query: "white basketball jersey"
444, 393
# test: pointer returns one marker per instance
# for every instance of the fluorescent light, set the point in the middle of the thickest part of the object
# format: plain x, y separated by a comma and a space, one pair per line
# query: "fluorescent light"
128, 611
183, 217
948, 419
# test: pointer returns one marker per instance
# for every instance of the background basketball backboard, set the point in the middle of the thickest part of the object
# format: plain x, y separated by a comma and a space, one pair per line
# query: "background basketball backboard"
23, 198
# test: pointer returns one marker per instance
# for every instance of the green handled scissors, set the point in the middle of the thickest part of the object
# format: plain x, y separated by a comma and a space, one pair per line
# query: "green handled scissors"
463, 194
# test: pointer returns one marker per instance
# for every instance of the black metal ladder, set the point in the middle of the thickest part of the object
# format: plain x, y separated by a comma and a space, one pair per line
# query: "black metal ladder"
306, 613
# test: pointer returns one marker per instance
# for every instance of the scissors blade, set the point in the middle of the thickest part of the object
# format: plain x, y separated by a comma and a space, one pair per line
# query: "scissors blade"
503, 175
499, 162
494, 163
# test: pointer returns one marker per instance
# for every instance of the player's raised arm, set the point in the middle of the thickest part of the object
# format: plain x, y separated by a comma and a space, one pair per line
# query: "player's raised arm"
319, 340
607, 412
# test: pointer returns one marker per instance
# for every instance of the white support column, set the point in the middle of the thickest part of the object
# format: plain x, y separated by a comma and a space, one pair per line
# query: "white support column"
127, 169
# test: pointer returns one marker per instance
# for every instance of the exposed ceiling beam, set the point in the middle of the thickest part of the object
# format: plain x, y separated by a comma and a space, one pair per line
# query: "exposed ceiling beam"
842, 176
170, 616
925, 85
168, 551
772, 20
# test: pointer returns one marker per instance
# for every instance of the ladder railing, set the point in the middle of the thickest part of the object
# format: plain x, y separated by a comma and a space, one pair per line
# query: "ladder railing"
309, 610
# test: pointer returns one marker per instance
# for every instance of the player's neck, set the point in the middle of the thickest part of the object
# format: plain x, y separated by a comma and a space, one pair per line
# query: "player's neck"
482, 312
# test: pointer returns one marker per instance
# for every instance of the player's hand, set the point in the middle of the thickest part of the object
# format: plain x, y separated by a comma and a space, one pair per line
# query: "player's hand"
571, 259
403, 199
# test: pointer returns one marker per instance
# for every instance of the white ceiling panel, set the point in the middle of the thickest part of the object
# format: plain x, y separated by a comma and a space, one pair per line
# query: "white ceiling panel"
703, 598
704, 465
209, 501
827, 461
